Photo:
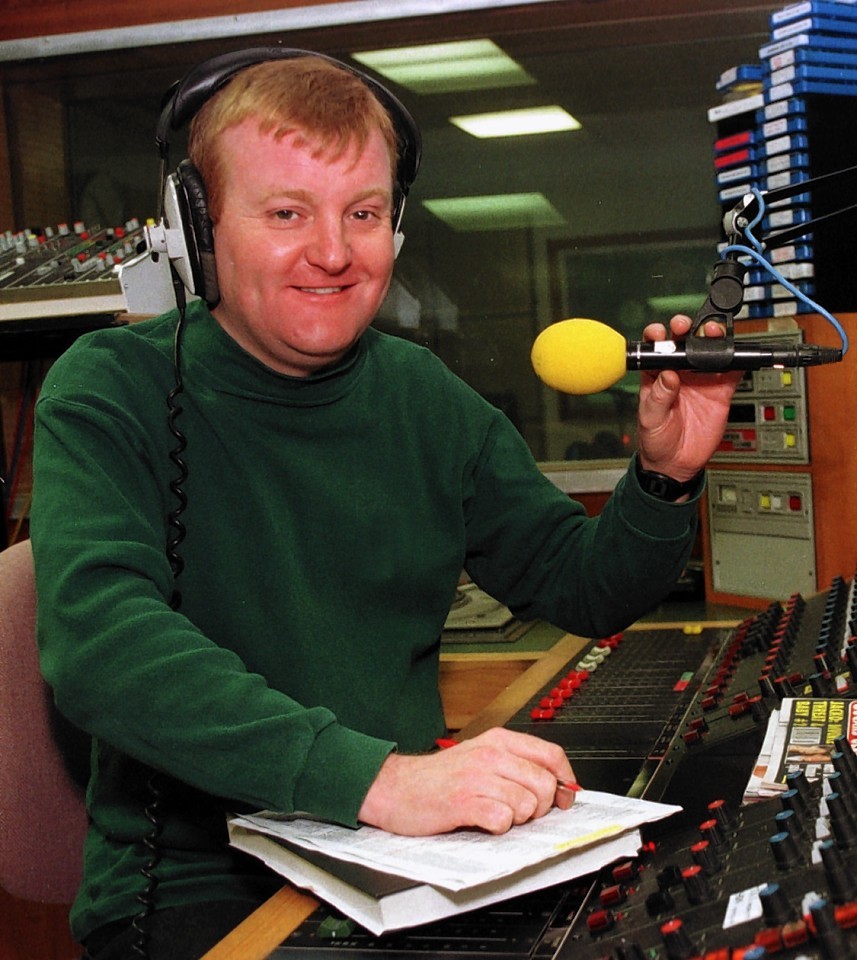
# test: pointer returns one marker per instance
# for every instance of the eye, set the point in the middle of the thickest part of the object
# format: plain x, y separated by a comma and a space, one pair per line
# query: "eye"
286, 215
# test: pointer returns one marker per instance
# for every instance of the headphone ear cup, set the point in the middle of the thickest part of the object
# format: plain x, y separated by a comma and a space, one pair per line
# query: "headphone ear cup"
198, 230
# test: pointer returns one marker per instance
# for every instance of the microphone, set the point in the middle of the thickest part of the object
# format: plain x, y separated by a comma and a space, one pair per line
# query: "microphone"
581, 356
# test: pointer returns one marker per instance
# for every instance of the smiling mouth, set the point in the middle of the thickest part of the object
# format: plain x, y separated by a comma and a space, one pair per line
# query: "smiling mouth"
321, 290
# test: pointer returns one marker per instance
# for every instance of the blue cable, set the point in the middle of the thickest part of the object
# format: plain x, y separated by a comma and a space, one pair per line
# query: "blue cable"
755, 253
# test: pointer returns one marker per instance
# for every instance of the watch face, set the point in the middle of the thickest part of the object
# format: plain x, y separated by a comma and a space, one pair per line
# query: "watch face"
663, 488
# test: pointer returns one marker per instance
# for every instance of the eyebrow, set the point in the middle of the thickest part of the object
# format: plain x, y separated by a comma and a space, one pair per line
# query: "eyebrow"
308, 197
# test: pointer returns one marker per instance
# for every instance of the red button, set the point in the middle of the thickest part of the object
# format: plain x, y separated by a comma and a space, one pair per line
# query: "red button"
624, 872
600, 920
541, 713
610, 896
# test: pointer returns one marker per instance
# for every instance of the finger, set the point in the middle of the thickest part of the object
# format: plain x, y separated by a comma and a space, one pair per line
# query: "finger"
655, 331
500, 804
661, 396
680, 324
566, 791
714, 329
542, 753
490, 815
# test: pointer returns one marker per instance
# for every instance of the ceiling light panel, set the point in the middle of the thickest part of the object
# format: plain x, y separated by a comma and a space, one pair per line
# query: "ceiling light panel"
517, 123
447, 67
495, 212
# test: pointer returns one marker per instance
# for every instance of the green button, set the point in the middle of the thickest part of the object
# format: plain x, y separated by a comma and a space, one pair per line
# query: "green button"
335, 927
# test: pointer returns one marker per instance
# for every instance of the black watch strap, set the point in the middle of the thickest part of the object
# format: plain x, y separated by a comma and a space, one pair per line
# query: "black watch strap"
663, 487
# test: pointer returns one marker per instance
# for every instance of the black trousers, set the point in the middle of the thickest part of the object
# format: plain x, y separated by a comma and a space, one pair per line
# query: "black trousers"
174, 933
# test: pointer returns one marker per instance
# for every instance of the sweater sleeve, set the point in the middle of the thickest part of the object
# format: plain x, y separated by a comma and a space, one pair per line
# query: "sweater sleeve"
534, 548
133, 672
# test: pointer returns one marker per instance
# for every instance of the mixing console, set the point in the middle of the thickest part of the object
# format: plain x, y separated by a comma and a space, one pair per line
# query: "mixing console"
70, 271
679, 716
617, 710
747, 882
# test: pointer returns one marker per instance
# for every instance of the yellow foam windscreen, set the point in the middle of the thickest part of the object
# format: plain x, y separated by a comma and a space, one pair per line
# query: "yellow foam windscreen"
579, 356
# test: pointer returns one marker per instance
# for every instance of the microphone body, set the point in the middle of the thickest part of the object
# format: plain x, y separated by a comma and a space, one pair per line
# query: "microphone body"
716, 355
581, 356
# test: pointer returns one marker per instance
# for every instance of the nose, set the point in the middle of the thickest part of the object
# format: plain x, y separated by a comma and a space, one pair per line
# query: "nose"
329, 246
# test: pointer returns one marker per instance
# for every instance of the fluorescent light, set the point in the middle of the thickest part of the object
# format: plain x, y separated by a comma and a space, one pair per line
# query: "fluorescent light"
516, 123
495, 212
447, 67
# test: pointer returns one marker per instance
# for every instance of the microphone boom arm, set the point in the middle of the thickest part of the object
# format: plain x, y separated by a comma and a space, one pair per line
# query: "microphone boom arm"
726, 287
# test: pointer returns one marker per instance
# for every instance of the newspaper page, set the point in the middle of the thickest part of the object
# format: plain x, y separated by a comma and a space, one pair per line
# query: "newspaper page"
800, 735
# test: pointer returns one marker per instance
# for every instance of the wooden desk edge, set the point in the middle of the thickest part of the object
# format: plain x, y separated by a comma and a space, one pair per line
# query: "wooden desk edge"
265, 929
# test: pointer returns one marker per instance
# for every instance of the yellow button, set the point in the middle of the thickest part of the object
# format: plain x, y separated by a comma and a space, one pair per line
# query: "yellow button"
764, 501
786, 378
789, 440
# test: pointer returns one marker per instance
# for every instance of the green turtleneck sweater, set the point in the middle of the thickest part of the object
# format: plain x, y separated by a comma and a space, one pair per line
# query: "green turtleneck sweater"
328, 520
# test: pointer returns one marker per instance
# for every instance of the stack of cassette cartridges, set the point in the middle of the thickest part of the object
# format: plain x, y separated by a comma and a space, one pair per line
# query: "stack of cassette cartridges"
800, 125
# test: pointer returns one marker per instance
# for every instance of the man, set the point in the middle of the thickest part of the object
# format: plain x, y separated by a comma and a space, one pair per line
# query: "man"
338, 480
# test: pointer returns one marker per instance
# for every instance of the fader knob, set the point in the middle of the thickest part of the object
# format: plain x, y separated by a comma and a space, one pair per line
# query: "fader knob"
843, 745
677, 941
793, 800
629, 951
783, 687
788, 821
719, 810
837, 783
766, 687
840, 880
829, 936
821, 684
659, 902
785, 849
851, 658
797, 780
841, 822
775, 905
706, 857
843, 763
759, 710
711, 831
670, 876
696, 884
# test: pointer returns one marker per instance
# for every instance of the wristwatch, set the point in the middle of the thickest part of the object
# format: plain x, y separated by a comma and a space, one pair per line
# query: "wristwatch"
663, 487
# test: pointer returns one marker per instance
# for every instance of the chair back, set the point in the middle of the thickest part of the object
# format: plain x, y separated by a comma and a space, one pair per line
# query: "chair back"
42, 815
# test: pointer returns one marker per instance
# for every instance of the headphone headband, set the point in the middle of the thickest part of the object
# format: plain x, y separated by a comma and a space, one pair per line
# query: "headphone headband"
185, 98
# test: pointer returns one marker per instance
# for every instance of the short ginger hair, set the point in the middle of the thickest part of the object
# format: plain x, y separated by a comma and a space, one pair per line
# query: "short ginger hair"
327, 105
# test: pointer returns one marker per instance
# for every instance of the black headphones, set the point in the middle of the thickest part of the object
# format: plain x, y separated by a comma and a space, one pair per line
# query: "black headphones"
186, 233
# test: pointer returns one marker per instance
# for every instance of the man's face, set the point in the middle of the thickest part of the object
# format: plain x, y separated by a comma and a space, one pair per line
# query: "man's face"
303, 246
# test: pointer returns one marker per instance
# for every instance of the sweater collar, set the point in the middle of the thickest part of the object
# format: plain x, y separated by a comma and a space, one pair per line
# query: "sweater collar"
211, 357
